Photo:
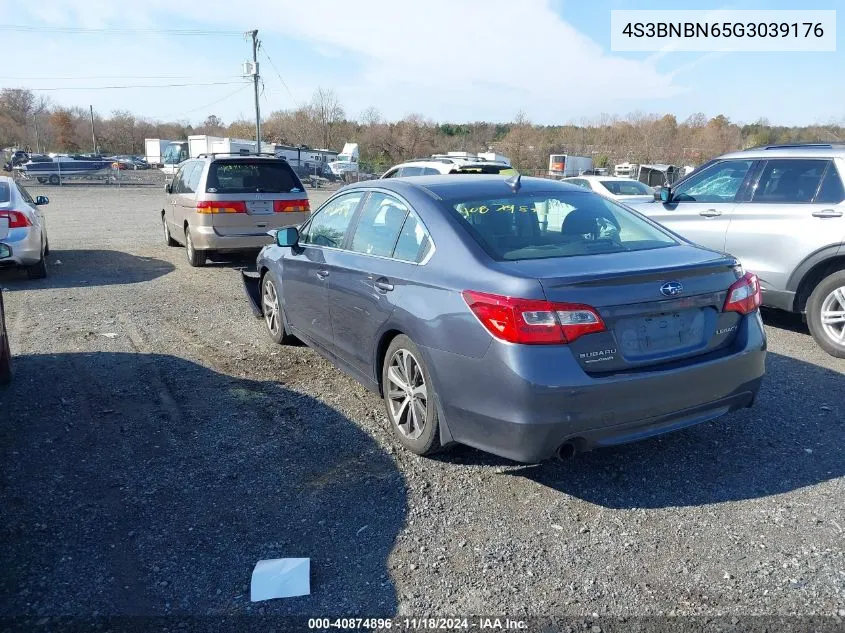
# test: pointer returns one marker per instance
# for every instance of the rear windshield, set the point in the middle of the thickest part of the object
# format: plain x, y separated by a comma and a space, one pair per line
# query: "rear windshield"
244, 176
556, 224
626, 187
5, 192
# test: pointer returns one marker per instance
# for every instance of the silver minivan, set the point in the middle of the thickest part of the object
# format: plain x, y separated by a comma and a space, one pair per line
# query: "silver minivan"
228, 203
780, 210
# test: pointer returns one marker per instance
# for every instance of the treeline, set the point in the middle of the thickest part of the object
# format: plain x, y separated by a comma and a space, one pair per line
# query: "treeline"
30, 121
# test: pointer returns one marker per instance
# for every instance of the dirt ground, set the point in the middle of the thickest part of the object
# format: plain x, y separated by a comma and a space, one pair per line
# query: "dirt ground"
155, 445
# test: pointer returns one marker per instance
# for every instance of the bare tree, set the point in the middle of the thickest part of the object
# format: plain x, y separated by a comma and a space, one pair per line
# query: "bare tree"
328, 113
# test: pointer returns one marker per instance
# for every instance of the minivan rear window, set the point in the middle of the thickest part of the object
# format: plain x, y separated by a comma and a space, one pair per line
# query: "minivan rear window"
256, 176
555, 224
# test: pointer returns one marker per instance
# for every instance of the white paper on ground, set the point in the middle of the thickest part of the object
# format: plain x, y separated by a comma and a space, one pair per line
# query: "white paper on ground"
280, 578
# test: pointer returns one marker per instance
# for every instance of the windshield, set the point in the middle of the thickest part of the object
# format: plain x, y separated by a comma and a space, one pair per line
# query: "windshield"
174, 154
555, 224
252, 176
626, 187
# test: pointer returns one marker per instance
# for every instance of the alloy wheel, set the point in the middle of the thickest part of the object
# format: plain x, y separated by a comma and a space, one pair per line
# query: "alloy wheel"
833, 315
407, 394
270, 302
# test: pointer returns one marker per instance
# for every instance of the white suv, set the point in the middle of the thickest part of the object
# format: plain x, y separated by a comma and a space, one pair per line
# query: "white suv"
780, 210
435, 166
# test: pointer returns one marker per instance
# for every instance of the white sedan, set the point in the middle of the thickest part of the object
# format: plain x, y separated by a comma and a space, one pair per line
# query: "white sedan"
626, 189
23, 231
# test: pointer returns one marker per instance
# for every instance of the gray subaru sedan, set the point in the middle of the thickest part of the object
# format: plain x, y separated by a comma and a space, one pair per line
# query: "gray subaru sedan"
522, 316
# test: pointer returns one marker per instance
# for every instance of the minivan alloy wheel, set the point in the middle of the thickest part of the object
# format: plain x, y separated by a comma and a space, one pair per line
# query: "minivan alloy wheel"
407, 394
270, 303
833, 315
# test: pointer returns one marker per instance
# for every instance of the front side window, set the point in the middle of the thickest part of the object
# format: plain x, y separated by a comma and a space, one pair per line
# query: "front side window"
579, 182
329, 224
393, 173
790, 180
555, 224
719, 183
379, 225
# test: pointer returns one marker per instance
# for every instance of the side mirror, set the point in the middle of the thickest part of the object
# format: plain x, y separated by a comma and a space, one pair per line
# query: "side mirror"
287, 236
39, 200
168, 188
665, 194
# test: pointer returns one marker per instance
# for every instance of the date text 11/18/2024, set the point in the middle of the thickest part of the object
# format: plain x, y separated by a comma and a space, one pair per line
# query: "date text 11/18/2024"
416, 624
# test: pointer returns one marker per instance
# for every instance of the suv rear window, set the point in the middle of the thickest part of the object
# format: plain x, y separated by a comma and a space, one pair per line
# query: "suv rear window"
251, 176
556, 224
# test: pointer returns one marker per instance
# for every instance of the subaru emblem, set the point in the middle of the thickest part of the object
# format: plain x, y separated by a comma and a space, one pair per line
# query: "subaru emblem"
672, 288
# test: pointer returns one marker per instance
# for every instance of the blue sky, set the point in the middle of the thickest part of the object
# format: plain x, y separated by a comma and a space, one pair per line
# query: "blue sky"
448, 60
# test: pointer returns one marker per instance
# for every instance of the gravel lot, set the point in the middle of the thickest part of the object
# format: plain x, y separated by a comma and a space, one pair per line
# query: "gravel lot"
156, 445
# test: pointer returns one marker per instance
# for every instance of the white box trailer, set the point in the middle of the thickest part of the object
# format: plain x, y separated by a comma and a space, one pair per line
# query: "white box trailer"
154, 150
566, 165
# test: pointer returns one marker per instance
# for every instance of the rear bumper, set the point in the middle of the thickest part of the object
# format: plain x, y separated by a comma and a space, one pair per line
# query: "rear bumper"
207, 239
523, 402
25, 244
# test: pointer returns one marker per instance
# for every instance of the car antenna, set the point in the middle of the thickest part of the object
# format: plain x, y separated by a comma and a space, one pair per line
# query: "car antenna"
514, 182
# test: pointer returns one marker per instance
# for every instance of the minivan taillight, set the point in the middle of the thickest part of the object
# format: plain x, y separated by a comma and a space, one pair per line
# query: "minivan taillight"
219, 206
745, 295
291, 206
17, 220
533, 321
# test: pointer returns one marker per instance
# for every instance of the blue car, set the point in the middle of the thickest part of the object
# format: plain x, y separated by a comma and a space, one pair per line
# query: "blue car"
521, 316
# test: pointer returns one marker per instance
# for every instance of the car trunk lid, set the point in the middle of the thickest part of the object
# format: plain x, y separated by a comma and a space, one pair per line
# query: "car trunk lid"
658, 305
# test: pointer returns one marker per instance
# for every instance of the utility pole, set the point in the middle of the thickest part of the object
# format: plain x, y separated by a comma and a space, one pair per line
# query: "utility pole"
93, 137
255, 43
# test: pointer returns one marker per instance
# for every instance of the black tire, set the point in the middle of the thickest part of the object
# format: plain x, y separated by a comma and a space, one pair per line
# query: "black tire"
277, 325
427, 442
39, 270
195, 258
828, 295
6, 363
168, 239
41, 180
54, 179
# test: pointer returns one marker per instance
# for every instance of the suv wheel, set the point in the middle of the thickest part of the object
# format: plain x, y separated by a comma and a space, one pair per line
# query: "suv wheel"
409, 397
195, 258
826, 314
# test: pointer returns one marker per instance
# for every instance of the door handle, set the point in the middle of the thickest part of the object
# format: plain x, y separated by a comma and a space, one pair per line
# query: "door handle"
827, 213
322, 274
383, 284
710, 213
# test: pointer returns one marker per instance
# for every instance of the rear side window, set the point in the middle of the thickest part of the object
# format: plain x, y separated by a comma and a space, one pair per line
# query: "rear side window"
192, 177
429, 171
790, 180
556, 224
414, 243
379, 225
831, 191
5, 192
411, 171
626, 187
256, 176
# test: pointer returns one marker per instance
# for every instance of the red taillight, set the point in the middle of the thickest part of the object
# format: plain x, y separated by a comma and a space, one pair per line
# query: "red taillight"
17, 220
532, 321
291, 206
745, 295
219, 206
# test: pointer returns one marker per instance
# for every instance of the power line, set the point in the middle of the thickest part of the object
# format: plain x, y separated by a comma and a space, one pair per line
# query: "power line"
203, 107
212, 83
82, 30
34, 78
280, 77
